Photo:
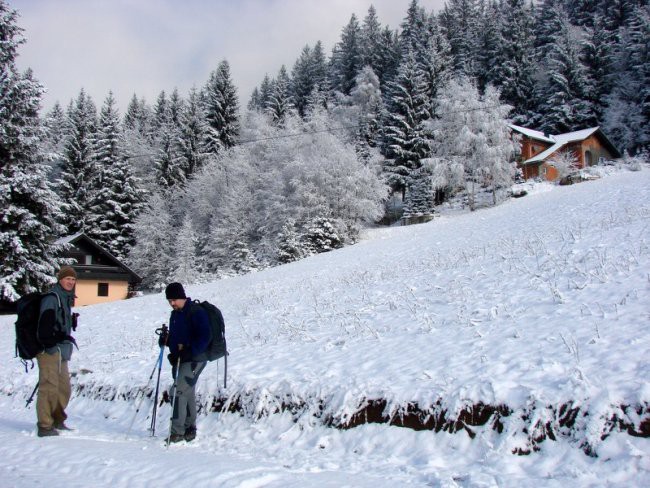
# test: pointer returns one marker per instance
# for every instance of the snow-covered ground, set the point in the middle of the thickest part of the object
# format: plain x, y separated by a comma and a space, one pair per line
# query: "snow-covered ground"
536, 311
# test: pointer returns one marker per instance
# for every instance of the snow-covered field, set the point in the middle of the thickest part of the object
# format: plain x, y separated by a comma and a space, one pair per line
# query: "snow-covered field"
520, 328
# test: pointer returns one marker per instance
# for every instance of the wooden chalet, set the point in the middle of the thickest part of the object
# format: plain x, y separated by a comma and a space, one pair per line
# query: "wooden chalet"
101, 277
589, 146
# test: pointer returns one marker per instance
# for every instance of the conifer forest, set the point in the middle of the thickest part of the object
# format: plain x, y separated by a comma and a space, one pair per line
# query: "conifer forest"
389, 123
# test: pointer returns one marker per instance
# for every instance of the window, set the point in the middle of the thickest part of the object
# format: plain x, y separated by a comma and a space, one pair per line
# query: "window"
88, 259
102, 289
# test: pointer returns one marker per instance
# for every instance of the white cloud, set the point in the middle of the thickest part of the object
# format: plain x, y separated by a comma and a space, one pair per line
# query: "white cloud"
147, 46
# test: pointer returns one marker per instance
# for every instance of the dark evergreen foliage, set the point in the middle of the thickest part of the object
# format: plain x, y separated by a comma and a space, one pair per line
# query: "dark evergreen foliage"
221, 107
347, 58
29, 208
75, 185
405, 135
561, 65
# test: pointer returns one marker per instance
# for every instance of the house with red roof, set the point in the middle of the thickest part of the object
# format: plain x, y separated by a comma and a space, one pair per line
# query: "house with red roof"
588, 146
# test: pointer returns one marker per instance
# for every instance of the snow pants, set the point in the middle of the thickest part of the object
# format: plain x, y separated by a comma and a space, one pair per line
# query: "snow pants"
184, 414
53, 390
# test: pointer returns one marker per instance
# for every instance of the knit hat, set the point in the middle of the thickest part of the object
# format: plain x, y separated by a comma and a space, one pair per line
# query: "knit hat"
174, 291
66, 271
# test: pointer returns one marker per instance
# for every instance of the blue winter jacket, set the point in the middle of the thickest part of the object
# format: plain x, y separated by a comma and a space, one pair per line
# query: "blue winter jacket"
189, 326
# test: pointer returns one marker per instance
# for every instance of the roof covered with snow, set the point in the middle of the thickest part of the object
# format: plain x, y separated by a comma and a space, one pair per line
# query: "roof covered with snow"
560, 140
533, 134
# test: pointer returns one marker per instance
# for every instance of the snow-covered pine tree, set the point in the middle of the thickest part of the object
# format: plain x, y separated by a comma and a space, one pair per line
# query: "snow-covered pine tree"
421, 195
192, 136
514, 71
162, 157
322, 235
107, 151
490, 53
221, 108
289, 247
161, 115
627, 116
266, 89
390, 55
563, 94
117, 198
53, 142
371, 42
254, 102
414, 35
618, 13
318, 67
436, 62
583, 12
406, 137
461, 23
600, 62
168, 162
347, 57
280, 103
28, 205
302, 83
78, 169
546, 24
308, 74
176, 107
137, 116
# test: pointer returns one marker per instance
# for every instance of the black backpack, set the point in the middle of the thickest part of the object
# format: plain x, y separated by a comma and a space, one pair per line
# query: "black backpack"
217, 346
28, 308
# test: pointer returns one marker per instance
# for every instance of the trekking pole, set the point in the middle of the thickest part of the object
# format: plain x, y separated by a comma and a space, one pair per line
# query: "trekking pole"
225, 369
163, 333
29, 400
171, 417
144, 392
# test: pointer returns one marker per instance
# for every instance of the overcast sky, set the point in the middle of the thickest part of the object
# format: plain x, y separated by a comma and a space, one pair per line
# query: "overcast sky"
146, 46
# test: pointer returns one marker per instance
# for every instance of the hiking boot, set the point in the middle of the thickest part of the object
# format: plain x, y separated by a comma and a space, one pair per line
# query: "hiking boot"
61, 426
47, 432
175, 438
190, 434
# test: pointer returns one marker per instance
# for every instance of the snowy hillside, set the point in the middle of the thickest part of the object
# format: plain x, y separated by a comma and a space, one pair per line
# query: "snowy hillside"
523, 328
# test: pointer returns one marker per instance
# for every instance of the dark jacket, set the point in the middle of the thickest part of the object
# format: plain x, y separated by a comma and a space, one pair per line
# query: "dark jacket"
55, 322
189, 326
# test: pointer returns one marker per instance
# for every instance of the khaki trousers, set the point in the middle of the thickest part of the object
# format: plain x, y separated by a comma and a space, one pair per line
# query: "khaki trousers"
53, 390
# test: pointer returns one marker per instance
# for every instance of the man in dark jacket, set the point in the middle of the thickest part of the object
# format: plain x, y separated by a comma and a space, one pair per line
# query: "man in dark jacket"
54, 329
189, 337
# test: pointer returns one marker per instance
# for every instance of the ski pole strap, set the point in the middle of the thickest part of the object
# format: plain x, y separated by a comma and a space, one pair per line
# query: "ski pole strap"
24, 361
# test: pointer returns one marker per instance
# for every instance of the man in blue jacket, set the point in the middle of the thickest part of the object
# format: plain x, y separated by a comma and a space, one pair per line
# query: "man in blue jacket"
189, 337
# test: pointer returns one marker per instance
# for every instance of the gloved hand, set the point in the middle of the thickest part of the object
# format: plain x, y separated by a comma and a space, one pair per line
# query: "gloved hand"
163, 336
173, 358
